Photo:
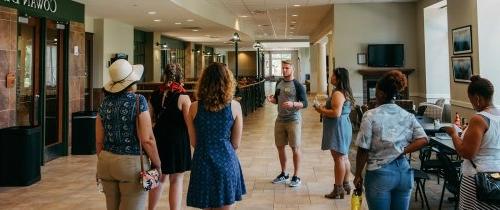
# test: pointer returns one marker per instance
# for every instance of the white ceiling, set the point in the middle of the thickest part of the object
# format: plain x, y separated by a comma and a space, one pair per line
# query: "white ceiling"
266, 19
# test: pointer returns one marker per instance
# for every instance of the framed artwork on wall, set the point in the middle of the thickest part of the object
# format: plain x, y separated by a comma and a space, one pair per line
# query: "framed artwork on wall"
361, 58
462, 40
462, 68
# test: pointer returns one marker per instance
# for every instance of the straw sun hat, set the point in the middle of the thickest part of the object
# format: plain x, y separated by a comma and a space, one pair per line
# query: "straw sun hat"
122, 75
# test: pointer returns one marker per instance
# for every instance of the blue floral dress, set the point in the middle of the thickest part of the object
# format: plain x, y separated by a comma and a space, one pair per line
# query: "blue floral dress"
216, 177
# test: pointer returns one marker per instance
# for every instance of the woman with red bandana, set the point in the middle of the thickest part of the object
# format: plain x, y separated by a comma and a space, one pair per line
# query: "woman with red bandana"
170, 108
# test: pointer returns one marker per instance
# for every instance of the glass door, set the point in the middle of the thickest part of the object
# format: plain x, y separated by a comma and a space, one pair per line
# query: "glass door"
27, 81
53, 85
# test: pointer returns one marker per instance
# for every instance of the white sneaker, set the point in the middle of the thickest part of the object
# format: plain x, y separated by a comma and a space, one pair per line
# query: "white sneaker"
295, 182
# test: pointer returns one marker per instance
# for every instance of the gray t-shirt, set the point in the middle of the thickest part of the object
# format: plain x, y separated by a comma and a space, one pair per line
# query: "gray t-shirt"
287, 92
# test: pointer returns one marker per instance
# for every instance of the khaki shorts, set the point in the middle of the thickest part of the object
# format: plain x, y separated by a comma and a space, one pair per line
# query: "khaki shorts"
288, 133
120, 180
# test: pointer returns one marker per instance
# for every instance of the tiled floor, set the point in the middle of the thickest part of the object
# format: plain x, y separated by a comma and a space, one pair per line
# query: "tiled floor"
69, 182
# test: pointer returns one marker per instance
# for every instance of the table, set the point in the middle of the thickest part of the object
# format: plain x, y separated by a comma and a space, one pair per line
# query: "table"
431, 130
444, 143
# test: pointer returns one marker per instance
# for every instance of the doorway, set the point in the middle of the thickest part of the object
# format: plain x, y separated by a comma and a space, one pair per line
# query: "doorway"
28, 77
53, 86
39, 82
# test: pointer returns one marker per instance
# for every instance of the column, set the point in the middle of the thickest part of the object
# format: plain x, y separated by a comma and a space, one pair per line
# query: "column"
189, 68
313, 60
157, 71
331, 64
322, 66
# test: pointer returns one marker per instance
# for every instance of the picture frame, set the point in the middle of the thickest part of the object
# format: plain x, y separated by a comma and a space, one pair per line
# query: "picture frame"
361, 58
462, 40
462, 68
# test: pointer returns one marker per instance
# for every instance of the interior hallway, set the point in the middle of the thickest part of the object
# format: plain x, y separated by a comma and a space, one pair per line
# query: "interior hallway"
69, 182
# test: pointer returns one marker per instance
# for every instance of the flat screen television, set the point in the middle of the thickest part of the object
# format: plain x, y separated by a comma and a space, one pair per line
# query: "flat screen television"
386, 55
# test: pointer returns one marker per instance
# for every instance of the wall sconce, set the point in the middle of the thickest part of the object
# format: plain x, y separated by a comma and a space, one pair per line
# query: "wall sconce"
163, 46
235, 38
257, 46
207, 53
196, 50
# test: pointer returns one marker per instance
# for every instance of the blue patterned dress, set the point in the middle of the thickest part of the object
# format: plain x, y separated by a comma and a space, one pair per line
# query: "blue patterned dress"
216, 177
337, 131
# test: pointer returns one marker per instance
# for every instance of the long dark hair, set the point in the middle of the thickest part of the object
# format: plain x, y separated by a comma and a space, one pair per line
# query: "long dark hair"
343, 85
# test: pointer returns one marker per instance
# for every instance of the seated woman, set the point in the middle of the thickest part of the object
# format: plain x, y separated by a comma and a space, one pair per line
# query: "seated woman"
387, 133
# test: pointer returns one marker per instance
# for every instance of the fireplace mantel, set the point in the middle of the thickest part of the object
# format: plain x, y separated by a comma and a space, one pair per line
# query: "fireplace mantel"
370, 78
380, 72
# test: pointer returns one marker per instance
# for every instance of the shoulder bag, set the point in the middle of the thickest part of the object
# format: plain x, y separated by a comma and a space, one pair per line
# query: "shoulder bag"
149, 179
487, 186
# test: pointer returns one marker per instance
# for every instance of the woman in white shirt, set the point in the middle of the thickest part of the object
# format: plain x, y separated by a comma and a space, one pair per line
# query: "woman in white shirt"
480, 145
387, 133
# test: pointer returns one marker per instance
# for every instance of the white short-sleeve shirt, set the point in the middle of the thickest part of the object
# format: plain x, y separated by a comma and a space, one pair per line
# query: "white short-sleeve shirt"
385, 131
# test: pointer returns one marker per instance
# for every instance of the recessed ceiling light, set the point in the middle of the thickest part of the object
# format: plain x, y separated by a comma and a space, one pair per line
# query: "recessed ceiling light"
189, 20
196, 30
292, 28
157, 20
293, 22
152, 13
295, 15
177, 23
244, 16
296, 5
291, 32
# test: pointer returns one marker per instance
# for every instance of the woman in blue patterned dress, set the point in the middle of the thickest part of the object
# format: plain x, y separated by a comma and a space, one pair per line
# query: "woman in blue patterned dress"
337, 130
215, 126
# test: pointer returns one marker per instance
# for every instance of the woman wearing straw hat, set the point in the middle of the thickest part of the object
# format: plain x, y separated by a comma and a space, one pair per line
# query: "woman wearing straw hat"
118, 138
170, 108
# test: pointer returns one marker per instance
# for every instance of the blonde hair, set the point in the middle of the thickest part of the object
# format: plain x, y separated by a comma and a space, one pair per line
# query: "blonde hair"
289, 62
215, 87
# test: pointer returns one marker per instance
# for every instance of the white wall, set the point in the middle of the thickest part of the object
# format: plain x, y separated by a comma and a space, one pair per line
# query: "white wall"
111, 37
436, 52
89, 24
357, 25
489, 31
463, 13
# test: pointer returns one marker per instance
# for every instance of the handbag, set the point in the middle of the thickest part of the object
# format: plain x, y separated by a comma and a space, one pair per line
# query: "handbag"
487, 186
149, 179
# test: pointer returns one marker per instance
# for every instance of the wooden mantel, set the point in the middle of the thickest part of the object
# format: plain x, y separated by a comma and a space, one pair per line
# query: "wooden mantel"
380, 72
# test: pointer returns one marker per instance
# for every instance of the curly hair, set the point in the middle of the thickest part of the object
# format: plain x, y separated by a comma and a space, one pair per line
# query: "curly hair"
216, 87
481, 87
169, 74
392, 83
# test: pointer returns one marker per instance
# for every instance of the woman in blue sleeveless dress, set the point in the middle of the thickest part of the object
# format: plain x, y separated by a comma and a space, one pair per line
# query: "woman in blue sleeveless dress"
337, 130
215, 126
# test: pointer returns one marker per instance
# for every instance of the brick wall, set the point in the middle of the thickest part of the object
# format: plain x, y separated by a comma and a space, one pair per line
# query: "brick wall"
8, 47
77, 78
